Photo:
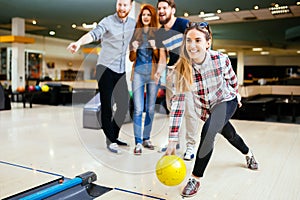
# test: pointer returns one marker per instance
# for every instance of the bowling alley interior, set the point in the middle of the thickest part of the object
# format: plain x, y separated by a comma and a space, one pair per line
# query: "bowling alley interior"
51, 140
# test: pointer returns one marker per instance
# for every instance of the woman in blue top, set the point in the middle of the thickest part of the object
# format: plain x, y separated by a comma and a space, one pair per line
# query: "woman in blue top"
145, 55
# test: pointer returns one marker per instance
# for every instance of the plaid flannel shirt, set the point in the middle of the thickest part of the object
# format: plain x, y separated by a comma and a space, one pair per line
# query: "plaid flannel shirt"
213, 82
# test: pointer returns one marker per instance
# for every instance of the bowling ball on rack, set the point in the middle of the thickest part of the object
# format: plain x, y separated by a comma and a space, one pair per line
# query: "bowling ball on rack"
38, 88
20, 89
45, 88
31, 88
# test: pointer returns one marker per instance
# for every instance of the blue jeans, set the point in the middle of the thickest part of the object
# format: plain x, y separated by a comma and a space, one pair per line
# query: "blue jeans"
138, 87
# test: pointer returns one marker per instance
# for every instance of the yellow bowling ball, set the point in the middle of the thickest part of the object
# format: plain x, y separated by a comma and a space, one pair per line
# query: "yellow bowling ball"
45, 88
170, 170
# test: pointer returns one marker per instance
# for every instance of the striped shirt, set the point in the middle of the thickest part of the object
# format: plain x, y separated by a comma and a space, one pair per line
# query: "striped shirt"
214, 81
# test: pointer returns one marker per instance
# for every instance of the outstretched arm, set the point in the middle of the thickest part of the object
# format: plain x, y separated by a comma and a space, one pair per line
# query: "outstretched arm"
85, 39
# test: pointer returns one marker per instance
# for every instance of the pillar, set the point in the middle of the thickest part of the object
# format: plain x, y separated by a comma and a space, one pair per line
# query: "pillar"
240, 67
18, 55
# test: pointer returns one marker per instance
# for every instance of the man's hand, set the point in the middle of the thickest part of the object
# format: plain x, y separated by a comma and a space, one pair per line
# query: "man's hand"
152, 44
73, 47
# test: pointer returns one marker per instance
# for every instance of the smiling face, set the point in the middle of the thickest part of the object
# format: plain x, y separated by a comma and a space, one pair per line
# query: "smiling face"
123, 8
165, 12
146, 17
196, 45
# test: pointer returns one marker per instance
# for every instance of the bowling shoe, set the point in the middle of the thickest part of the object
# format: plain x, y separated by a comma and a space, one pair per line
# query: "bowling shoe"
114, 147
147, 144
138, 149
251, 162
189, 153
191, 188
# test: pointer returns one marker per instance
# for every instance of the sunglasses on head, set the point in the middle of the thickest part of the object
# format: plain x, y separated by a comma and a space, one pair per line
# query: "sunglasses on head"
200, 25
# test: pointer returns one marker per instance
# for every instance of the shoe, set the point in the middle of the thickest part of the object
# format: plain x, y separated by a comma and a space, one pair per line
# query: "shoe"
189, 153
138, 149
251, 162
114, 147
147, 144
164, 149
191, 188
121, 143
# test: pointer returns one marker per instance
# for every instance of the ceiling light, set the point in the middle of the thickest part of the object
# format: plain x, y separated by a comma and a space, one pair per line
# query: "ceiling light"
298, 3
33, 21
221, 50
237, 9
51, 32
74, 26
211, 18
298, 51
256, 7
89, 26
257, 49
264, 53
219, 11
185, 14
231, 53
277, 10
202, 14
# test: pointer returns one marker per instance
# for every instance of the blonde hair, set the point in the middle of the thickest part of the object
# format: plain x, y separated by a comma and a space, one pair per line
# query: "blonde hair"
183, 69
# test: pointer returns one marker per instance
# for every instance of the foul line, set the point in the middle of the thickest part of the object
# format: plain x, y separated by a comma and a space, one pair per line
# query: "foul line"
29, 168
137, 193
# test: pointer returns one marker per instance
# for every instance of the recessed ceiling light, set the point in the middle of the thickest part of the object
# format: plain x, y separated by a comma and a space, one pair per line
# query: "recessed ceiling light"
256, 7
33, 21
51, 32
185, 14
298, 51
74, 26
237, 9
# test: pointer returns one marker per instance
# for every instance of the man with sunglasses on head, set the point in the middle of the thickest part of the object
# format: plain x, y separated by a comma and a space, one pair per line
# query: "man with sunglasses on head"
169, 40
209, 75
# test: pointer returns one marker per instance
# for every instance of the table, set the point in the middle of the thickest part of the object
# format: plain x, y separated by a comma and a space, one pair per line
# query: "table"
293, 103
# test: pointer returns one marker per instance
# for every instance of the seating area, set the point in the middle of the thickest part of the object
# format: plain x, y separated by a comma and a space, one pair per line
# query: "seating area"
262, 102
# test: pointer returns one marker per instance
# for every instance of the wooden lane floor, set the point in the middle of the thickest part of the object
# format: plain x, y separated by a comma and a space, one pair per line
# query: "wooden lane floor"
41, 143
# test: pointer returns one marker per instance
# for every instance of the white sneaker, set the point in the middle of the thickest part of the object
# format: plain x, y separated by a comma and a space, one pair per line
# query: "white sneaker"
138, 149
114, 147
189, 153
